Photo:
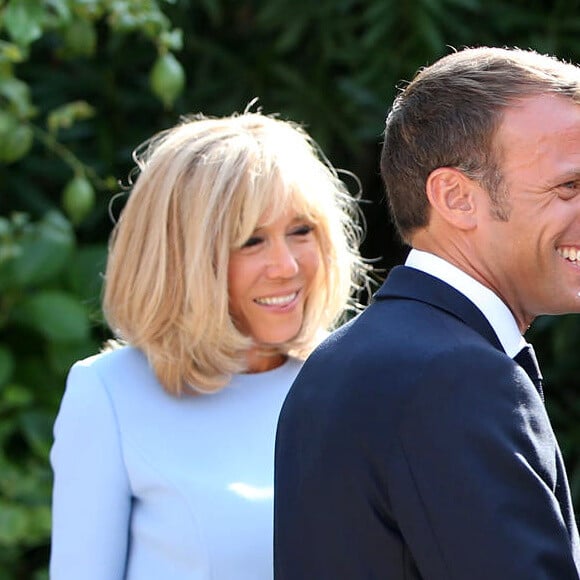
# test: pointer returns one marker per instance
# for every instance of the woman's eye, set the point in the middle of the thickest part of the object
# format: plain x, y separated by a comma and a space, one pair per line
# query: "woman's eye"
251, 242
302, 230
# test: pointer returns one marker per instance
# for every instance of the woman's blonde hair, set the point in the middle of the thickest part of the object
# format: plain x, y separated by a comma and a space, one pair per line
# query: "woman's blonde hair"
202, 187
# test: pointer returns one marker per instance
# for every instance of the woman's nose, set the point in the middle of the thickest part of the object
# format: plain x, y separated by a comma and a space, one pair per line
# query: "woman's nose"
282, 261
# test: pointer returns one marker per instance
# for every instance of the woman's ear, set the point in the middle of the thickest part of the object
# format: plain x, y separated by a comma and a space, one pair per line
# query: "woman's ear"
452, 196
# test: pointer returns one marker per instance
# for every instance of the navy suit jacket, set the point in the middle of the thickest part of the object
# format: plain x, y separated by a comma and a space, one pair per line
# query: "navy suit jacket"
412, 447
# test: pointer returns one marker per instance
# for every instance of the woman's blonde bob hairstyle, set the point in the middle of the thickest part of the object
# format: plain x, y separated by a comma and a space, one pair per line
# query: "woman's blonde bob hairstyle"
202, 187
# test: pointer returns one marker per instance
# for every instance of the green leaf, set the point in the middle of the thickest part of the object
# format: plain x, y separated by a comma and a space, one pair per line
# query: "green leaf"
27, 519
6, 365
171, 39
7, 428
65, 116
17, 93
37, 428
80, 38
61, 8
62, 355
85, 271
55, 315
13, 523
10, 53
15, 396
43, 250
23, 20
39, 523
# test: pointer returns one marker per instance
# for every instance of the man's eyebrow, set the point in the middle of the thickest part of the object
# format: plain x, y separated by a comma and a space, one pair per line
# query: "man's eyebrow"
570, 175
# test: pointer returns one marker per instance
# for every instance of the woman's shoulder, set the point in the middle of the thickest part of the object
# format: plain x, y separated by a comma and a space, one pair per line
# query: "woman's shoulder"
119, 356
114, 369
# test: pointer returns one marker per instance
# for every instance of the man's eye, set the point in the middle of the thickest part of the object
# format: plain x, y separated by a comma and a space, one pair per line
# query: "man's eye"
251, 242
569, 189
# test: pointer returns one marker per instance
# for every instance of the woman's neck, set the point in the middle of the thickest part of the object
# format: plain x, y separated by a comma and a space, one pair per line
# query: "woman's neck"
261, 360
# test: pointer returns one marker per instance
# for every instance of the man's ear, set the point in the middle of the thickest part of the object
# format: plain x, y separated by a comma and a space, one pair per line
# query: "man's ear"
452, 196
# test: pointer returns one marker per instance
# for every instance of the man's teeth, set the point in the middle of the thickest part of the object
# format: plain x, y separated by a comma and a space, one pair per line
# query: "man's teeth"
277, 300
569, 253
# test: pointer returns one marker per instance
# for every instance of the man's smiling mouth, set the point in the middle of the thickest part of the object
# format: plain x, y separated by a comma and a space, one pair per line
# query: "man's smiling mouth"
569, 253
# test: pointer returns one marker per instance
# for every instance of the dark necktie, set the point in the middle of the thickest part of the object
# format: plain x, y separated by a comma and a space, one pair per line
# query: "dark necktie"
526, 358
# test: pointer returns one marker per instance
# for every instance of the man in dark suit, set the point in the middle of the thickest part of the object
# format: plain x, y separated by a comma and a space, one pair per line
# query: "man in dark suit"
414, 443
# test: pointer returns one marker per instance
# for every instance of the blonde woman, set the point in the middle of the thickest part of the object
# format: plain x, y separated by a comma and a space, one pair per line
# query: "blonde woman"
236, 252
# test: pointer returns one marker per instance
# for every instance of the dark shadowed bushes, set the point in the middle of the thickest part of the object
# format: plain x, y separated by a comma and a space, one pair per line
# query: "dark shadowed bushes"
84, 81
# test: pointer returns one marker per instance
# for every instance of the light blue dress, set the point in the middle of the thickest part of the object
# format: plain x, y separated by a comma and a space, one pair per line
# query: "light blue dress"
148, 486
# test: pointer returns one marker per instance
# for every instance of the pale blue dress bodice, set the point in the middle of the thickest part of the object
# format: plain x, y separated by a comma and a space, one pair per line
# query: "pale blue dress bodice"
148, 486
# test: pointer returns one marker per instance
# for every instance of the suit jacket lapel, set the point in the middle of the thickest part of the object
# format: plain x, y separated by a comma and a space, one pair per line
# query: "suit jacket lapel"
412, 284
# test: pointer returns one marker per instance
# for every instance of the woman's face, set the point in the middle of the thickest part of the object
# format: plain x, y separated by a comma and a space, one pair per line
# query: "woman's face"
270, 278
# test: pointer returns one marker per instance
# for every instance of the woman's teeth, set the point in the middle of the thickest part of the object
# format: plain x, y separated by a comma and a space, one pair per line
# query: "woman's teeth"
276, 300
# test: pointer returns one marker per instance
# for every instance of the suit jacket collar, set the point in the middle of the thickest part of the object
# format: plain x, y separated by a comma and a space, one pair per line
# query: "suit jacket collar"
412, 284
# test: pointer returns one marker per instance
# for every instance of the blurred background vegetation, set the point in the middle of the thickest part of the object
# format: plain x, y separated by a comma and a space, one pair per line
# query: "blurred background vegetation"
82, 82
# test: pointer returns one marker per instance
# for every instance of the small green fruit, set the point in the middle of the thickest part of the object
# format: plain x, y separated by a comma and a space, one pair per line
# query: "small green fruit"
78, 198
167, 78
15, 138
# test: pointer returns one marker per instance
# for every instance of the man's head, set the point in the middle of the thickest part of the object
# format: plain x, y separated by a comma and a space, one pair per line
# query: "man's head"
448, 115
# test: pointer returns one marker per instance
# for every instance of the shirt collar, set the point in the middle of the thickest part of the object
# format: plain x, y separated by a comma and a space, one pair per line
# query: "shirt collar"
493, 308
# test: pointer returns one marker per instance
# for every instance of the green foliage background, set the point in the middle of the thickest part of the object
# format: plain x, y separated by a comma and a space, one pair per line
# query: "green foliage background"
82, 82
